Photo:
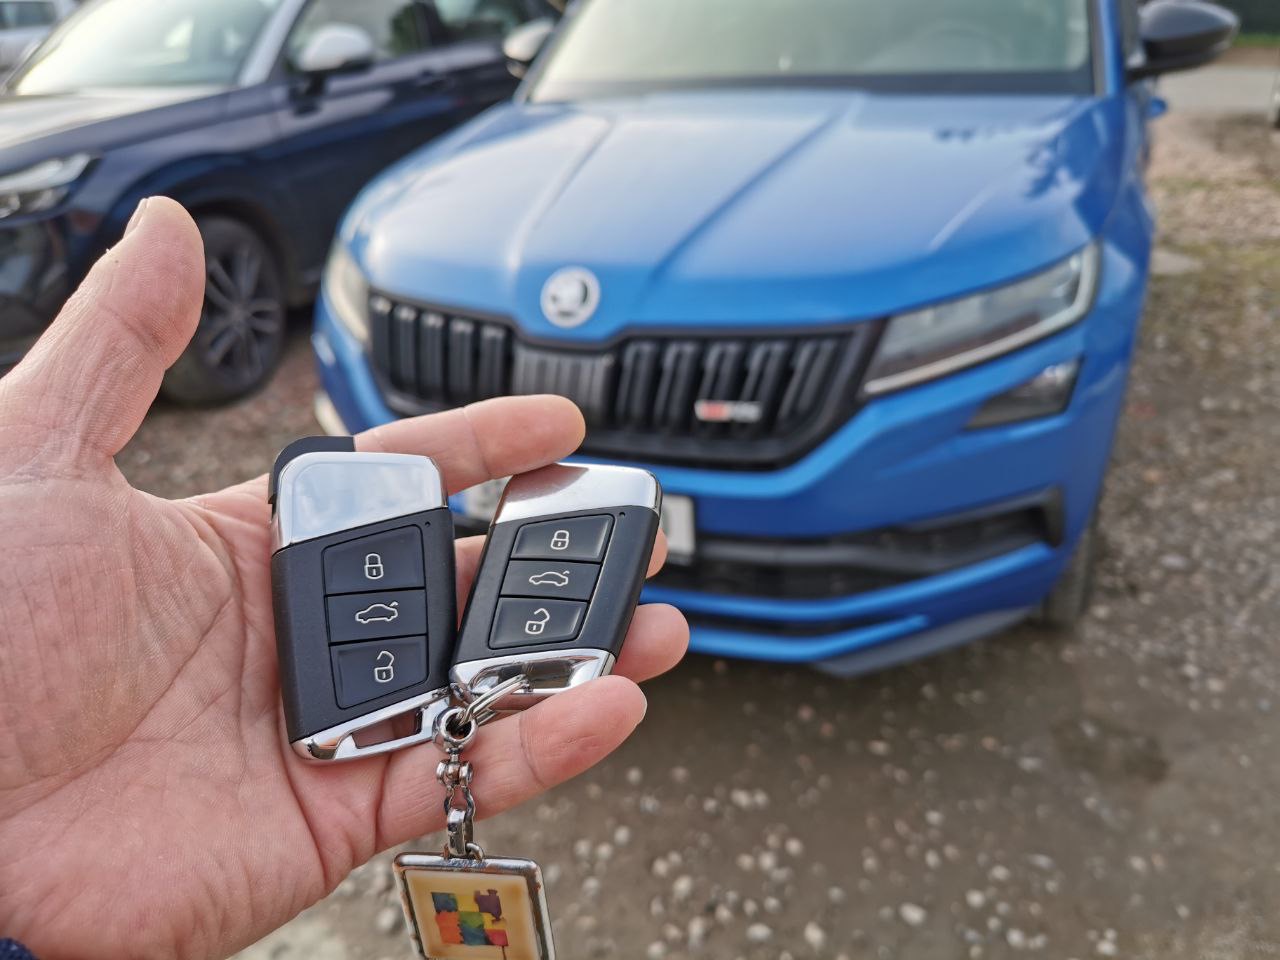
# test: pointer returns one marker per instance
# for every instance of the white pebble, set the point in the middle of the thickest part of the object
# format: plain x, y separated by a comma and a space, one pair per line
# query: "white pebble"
759, 933
387, 920
698, 928
683, 887
815, 936
912, 914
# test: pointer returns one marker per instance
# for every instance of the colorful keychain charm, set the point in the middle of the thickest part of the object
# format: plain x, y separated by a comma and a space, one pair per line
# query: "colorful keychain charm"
462, 905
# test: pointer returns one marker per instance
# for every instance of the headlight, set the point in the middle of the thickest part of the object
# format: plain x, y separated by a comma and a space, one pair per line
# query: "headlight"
41, 187
347, 291
943, 339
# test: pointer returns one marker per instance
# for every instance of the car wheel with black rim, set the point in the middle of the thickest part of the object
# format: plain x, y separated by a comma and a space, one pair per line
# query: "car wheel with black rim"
240, 339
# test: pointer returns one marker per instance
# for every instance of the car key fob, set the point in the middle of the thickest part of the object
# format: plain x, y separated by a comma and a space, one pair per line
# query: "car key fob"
362, 572
566, 557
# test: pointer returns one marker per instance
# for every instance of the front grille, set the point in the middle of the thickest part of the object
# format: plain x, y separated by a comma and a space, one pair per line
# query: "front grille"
784, 393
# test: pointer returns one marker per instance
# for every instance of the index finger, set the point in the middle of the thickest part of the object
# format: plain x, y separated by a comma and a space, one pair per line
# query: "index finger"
487, 440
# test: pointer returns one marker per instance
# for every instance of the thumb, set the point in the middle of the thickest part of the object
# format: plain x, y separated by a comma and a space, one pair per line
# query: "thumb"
83, 390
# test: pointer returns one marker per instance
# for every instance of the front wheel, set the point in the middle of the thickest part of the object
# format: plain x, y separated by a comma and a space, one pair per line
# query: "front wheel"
1068, 602
241, 335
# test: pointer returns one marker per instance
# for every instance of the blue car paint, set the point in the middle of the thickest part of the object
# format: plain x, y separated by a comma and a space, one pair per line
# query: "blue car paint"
767, 209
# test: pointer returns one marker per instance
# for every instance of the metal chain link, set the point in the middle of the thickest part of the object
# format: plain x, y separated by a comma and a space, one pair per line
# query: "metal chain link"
455, 730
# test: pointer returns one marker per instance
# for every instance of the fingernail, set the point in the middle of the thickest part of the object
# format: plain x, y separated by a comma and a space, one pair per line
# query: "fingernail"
137, 217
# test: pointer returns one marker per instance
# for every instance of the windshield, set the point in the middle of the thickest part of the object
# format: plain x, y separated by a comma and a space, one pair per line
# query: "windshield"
145, 43
1019, 46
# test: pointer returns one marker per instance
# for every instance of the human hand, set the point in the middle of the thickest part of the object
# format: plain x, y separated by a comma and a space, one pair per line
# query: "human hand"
149, 802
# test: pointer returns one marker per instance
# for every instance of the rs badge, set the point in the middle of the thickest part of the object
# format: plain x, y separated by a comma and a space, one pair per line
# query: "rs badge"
728, 411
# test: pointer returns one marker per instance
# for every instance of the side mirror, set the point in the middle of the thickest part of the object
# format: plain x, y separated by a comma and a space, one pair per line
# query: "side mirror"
1183, 35
335, 48
524, 43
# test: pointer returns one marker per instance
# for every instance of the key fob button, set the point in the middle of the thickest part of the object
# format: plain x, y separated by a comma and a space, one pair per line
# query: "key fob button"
546, 578
367, 671
370, 616
520, 623
384, 561
577, 538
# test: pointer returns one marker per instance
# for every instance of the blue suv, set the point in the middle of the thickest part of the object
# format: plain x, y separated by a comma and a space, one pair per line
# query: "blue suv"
860, 281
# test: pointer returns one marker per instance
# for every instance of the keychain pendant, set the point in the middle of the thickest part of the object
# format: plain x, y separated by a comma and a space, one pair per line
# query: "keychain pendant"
460, 908
462, 905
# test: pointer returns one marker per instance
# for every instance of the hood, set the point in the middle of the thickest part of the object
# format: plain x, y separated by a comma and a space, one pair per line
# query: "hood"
741, 208
31, 124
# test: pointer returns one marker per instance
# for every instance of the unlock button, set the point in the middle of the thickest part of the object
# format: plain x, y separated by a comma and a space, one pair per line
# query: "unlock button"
521, 623
367, 671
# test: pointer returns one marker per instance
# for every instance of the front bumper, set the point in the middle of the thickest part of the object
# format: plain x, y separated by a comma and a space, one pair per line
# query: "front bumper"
904, 459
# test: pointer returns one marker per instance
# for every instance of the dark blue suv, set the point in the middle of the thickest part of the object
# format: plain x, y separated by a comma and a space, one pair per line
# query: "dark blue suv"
264, 117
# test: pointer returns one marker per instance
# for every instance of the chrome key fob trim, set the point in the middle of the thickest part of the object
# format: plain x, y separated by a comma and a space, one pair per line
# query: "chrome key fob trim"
569, 518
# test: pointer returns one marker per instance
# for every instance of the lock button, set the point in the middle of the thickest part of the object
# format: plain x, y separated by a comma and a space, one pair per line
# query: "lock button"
519, 623
575, 538
384, 561
367, 671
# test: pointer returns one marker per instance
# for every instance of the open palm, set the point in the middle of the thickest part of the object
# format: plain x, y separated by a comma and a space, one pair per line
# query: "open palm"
149, 803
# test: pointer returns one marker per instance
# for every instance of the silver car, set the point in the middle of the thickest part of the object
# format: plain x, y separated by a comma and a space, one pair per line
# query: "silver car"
24, 23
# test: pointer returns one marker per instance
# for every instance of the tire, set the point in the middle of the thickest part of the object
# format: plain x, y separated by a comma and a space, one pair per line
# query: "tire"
240, 340
1068, 602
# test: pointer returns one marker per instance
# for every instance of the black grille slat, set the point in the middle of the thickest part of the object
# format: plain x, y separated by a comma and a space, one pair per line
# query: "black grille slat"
432, 356
492, 372
586, 379
674, 396
380, 321
766, 374
404, 347
722, 376
810, 377
636, 384
729, 398
461, 360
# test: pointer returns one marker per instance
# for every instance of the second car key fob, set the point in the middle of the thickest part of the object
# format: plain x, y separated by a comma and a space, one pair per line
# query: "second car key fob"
362, 572
562, 569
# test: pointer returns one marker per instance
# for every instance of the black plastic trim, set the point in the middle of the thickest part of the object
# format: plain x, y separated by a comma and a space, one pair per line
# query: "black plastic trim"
715, 446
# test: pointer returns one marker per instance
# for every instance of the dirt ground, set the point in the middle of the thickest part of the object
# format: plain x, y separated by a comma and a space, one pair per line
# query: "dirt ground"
1112, 794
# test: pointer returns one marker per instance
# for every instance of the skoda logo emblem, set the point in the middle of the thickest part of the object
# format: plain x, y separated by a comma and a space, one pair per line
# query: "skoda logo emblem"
571, 297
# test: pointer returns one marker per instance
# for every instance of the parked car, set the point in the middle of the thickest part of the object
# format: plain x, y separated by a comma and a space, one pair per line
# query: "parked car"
24, 23
264, 117
860, 281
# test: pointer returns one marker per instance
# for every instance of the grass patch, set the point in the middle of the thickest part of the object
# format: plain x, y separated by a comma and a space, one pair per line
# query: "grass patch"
1258, 40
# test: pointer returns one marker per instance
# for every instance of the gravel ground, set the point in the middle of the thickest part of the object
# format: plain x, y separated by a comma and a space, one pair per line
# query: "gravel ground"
1108, 794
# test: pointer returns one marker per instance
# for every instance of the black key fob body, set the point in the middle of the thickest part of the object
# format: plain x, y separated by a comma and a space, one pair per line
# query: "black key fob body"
562, 570
362, 574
